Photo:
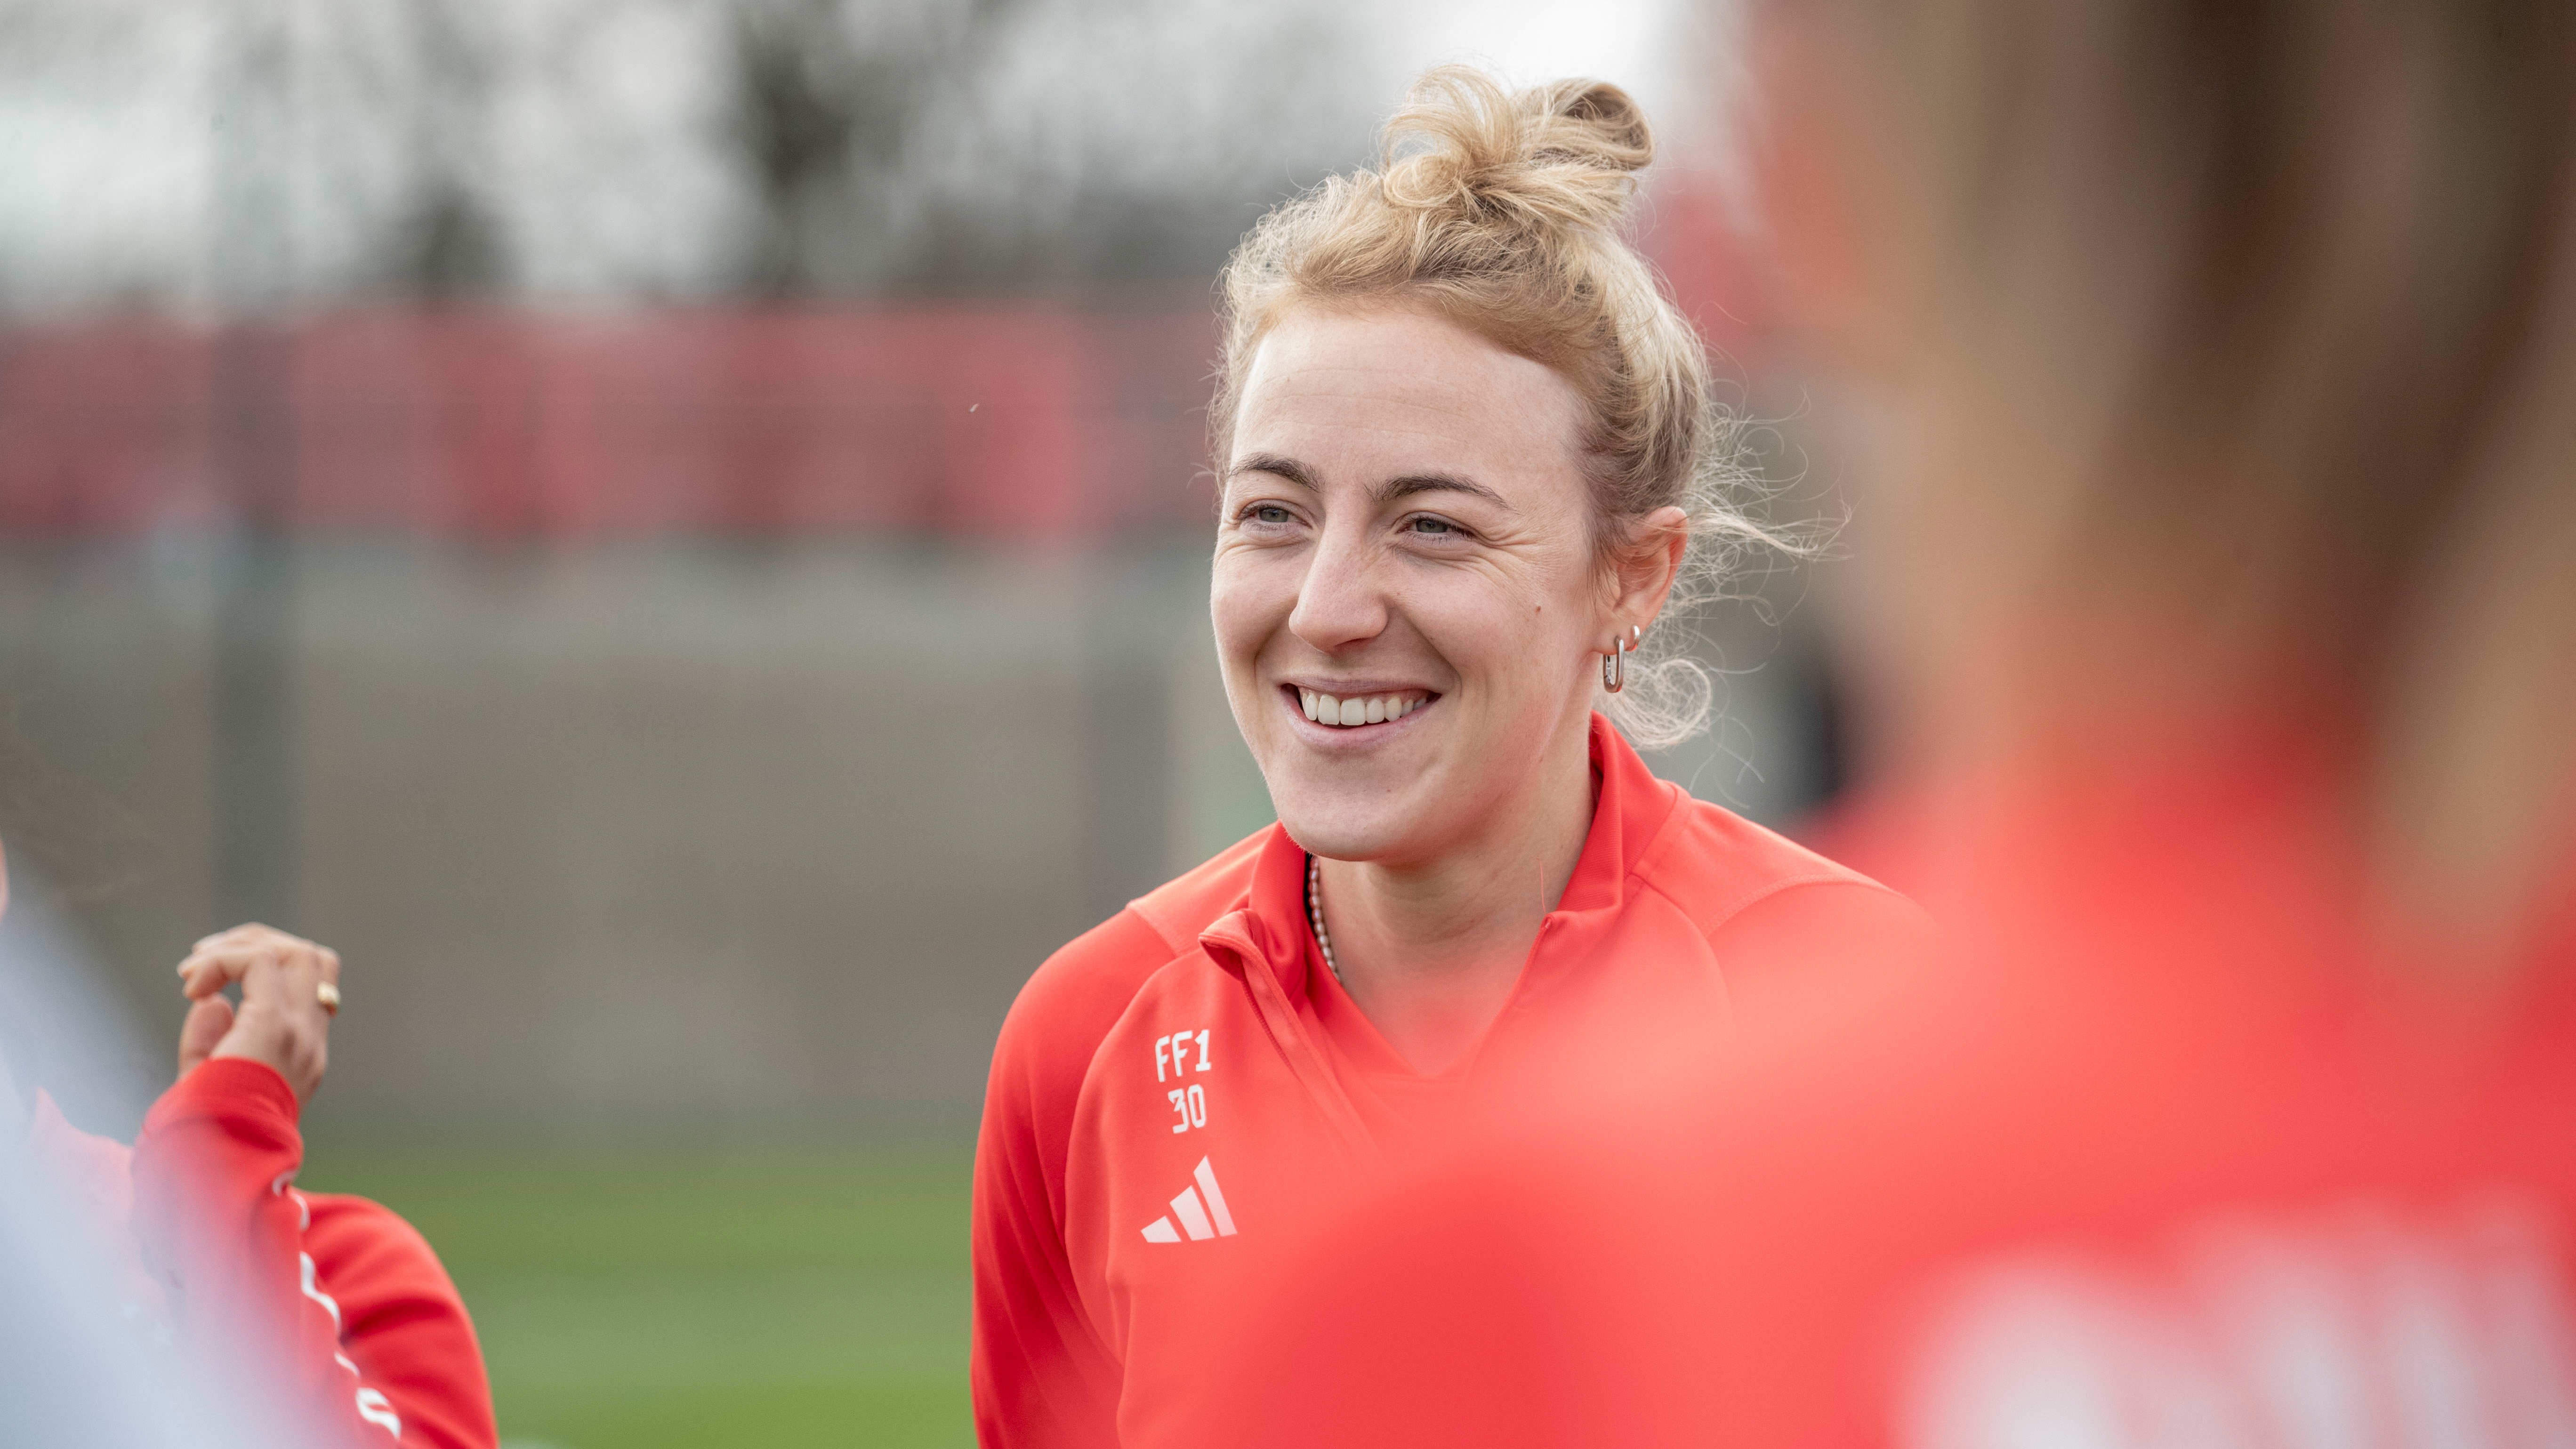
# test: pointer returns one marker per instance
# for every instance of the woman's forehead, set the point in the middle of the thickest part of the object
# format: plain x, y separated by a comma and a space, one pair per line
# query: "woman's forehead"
1402, 389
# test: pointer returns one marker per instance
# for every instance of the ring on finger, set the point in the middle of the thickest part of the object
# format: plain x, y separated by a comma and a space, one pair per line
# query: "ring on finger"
329, 996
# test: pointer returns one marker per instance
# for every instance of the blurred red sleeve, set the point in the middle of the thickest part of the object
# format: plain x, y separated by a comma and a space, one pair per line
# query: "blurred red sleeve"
335, 1303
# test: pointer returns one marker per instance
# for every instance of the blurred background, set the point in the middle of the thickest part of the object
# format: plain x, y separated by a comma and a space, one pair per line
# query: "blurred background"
673, 534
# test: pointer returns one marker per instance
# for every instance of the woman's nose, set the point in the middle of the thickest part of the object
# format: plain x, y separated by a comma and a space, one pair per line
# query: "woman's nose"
1340, 603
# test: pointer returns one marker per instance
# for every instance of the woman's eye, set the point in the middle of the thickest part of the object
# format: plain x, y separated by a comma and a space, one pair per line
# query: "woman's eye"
1266, 513
1434, 526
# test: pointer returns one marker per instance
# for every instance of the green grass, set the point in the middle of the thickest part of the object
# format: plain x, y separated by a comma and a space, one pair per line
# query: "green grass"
641, 1299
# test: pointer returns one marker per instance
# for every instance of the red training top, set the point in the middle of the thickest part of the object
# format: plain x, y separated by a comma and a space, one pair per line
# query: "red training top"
334, 1305
2178, 1153
1173, 1083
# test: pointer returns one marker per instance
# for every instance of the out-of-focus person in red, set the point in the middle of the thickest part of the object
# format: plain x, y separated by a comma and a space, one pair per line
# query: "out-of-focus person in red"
2215, 366
326, 1314
1467, 448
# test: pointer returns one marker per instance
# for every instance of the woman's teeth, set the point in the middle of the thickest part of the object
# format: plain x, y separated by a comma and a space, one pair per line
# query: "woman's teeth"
1358, 710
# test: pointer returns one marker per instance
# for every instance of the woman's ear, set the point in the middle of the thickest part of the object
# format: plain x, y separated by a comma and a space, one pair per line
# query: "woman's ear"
1646, 567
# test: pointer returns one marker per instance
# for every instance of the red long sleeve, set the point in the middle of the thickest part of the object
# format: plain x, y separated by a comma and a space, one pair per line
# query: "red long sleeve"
335, 1301
1042, 1376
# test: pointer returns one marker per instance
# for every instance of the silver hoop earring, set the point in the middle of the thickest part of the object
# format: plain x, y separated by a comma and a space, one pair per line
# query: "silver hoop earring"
1614, 665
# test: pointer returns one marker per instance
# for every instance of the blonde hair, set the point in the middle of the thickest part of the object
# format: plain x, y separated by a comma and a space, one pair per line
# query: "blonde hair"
1501, 211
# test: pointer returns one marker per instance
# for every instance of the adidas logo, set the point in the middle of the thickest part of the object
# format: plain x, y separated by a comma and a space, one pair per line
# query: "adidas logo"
1201, 1223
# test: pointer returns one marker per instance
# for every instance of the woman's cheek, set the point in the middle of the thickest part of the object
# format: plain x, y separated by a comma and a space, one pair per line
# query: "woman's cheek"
1488, 643
1245, 612
1529, 684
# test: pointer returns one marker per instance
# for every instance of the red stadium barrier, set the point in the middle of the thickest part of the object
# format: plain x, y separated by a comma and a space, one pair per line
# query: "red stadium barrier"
992, 421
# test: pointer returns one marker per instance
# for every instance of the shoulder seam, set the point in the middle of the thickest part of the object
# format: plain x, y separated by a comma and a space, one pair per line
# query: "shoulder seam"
1845, 878
1154, 926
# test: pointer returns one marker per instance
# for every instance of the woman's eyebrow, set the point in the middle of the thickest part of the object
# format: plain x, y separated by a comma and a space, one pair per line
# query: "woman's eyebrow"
1412, 483
1288, 468
1392, 489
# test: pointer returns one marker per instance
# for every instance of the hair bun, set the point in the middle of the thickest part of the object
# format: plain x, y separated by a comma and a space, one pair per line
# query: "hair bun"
1562, 154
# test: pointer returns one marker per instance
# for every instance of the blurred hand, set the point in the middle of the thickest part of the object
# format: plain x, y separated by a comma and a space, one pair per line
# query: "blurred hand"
280, 1021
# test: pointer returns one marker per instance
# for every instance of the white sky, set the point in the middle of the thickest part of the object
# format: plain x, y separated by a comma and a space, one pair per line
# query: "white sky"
608, 153
1637, 44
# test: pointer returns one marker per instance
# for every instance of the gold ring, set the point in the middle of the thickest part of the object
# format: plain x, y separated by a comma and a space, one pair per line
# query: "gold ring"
329, 996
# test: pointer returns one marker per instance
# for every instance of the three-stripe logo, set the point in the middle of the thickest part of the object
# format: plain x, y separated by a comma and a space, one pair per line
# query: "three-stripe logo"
1200, 1222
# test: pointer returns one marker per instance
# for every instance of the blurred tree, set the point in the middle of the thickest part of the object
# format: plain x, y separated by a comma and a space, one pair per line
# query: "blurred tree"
800, 116
661, 148
1000, 144
445, 242
827, 97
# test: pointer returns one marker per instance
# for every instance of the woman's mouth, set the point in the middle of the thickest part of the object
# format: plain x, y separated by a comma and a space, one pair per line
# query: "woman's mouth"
1352, 711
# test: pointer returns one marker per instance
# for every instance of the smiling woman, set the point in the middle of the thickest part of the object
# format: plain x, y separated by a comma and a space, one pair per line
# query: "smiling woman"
1469, 459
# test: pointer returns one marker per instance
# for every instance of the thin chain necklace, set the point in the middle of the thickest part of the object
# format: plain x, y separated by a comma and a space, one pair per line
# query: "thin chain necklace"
1315, 916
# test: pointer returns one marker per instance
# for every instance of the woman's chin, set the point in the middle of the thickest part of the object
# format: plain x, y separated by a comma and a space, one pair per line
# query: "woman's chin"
1380, 807
1340, 828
